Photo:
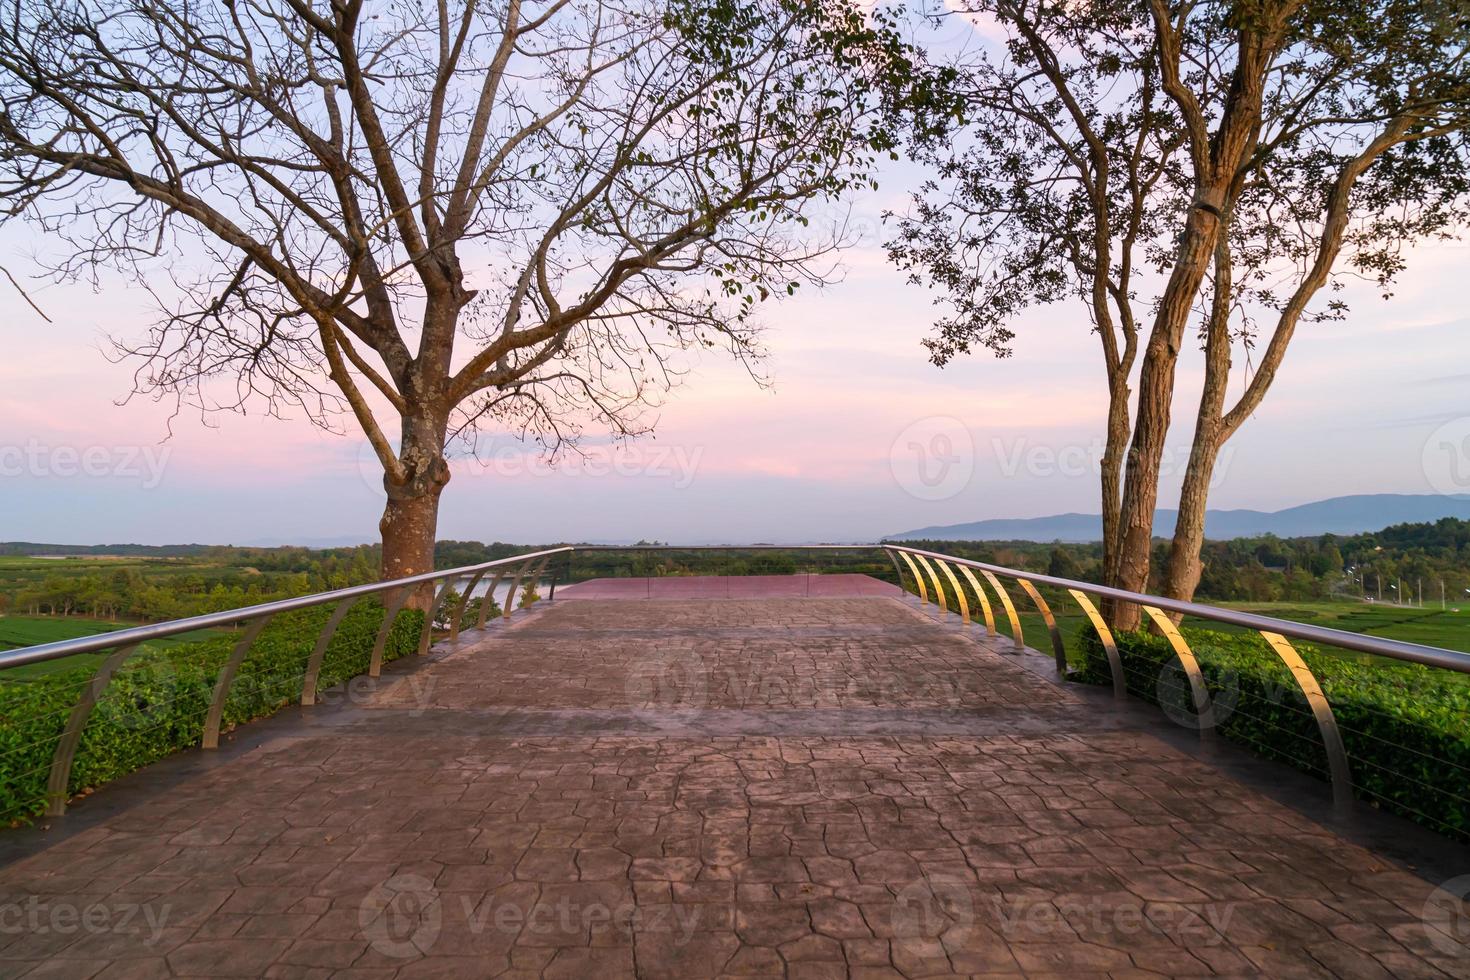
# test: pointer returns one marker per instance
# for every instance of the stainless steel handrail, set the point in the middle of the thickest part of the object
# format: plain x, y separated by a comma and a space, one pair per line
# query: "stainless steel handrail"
1394, 649
530, 566
233, 617
1274, 632
124, 643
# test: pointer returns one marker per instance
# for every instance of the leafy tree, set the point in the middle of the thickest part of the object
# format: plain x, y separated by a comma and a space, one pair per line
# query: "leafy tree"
440, 216
1175, 163
1062, 564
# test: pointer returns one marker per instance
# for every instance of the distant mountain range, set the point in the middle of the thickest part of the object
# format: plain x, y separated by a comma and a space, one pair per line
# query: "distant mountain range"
1336, 515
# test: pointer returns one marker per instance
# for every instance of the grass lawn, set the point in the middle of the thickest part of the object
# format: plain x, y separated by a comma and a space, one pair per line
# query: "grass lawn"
1442, 628
25, 631
1448, 628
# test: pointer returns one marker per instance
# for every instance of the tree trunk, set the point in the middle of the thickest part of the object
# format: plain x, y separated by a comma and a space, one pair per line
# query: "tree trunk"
408, 526
411, 515
1155, 398
1141, 483
1112, 479
1210, 433
1185, 567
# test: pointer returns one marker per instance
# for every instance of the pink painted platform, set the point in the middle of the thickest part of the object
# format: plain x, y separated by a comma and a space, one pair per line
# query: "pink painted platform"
729, 587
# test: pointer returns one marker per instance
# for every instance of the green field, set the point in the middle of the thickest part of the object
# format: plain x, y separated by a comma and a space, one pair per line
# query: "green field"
22, 569
25, 631
1442, 628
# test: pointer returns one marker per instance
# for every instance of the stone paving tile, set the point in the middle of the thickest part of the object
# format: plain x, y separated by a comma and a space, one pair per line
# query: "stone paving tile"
783, 652
384, 849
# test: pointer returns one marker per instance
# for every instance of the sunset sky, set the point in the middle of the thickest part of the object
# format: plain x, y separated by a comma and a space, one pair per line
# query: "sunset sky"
822, 455
828, 452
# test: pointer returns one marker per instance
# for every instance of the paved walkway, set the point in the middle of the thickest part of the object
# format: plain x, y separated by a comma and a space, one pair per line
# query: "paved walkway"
808, 787
839, 584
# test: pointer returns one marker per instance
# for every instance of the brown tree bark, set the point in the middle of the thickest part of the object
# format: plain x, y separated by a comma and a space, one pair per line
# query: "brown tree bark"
1185, 569
411, 514
1114, 452
1214, 425
1155, 398
1216, 159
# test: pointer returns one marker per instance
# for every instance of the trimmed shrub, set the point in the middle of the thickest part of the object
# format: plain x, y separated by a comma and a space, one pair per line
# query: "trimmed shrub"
157, 702
1406, 727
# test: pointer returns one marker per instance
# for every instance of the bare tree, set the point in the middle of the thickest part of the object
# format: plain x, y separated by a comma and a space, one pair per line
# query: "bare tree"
1138, 155
437, 216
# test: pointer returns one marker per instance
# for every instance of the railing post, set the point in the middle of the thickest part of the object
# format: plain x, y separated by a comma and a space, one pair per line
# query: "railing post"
76, 722
938, 589
314, 663
427, 633
533, 578
390, 616
959, 592
918, 579
1203, 708
489, 598
1058, 648
212, 721
1005, 601
1337, 757
515, 585
984, 599
897, 569
1105, 635
464, 600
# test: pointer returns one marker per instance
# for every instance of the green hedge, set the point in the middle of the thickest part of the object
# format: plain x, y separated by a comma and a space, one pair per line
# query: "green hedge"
157, 702
1406, 727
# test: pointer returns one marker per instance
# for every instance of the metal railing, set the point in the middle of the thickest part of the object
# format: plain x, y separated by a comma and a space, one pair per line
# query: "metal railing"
922, 568
1277, 633
252, 620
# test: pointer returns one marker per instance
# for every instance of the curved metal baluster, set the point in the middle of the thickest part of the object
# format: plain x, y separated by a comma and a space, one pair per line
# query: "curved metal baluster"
1105, 635
1009, 607
71, 736
1337, 758
1058, 649
532, 579
959, 592
934, 577
390, 616
1203, 709
918, 579
314, 663
489, 597
427, 633
984, 599
515, 585
897, 569
464, 600
210, 739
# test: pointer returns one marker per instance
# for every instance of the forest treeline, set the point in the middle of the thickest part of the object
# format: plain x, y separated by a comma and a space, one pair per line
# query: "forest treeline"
1266, 568
151, 584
